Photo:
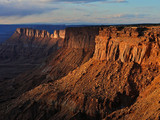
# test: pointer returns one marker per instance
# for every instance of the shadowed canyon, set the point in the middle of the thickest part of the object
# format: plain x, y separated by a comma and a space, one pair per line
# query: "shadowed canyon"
81, 73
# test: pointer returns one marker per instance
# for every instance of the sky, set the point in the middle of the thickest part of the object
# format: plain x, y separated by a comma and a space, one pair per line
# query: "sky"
79, 11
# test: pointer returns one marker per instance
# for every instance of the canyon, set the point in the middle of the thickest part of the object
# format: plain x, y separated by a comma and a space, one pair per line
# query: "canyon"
98, 72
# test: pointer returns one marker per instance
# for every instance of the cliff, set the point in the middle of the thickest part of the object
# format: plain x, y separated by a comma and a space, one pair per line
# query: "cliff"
81, 37
137, 44
100, 73
79, 45
40, 33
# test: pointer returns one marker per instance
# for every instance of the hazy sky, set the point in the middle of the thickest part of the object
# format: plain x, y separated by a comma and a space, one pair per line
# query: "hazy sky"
79, 11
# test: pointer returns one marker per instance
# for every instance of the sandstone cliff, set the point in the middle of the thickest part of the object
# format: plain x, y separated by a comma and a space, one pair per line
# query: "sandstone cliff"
79, 45
140, 45
120, 81
40, 33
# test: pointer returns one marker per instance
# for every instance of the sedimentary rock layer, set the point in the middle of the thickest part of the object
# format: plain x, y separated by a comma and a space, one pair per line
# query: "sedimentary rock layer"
137, 44
40, 33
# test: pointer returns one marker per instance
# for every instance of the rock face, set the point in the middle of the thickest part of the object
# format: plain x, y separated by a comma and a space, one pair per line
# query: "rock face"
81, 37
79, 45
139, 45
56, 34
29, 45
40, 33
99, 73
62, 33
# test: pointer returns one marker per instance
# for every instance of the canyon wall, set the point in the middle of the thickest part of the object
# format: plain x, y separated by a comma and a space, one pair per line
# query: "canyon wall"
79, 45
137, 44
125, 62
81, 37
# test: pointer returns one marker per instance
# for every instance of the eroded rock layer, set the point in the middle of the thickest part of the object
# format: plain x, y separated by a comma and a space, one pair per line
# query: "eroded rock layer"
140, 45
40, 33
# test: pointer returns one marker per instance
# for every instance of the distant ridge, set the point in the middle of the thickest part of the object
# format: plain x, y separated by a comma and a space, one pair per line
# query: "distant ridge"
7, 30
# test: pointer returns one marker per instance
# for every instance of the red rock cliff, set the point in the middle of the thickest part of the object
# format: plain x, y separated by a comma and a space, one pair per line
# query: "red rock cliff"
40, 33
137, 44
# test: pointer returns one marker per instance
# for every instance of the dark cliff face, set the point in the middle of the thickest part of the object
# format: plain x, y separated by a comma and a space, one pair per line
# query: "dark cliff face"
40, 33
81, 37
78, 48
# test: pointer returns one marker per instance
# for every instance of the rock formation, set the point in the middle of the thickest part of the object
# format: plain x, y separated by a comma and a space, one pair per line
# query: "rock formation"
40, 33
62, 33
139, 45
81, 38
99, 73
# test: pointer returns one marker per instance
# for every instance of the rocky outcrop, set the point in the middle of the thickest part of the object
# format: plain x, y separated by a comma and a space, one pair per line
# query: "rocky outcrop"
40, 33
32, 33
58, 34
62, 33
137, 44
